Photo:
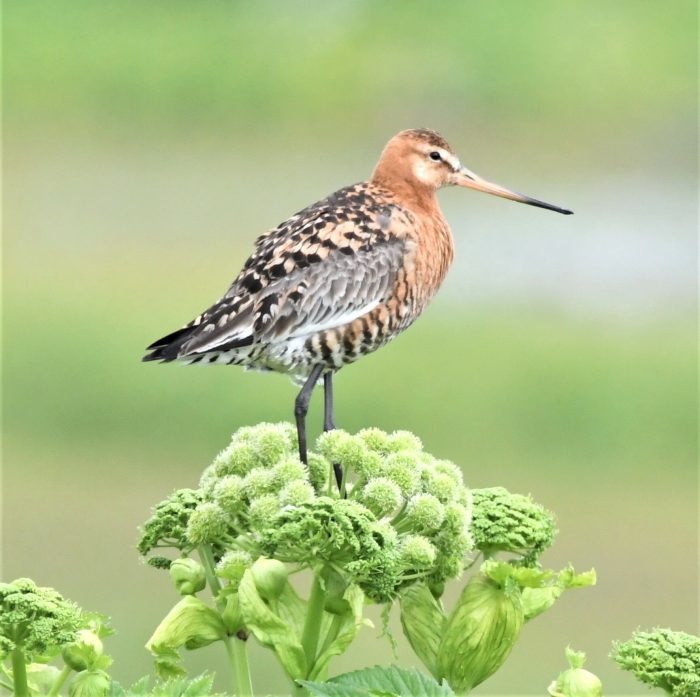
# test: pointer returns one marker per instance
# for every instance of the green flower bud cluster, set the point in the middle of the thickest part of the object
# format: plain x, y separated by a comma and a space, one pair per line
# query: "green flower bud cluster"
38, 624
405, 517
505, 522
251, 481
662, 658
37, 620
167, 527
403, 514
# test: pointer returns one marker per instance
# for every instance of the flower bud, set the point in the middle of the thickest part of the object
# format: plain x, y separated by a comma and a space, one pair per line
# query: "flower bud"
417, 552
206, 524
238, 458
270, 577
576, 682
480, 632
233, 565
443, 487
271, 443
382, 496
451, 470
188, 576
404, 470
228, 493
339, 446
296, 492
90, 683
289, 470
424, 513
318, 468
82, 653
376, 440
405, 440
263, 511
259, 481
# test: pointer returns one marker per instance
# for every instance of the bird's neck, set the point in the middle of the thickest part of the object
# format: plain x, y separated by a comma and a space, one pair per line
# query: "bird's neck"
409, 191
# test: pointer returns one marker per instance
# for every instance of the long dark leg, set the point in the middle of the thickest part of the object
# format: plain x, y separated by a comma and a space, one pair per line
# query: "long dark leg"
329, 420
301, 407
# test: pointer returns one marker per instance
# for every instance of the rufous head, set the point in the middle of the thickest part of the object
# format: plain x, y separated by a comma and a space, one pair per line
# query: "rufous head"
422, 160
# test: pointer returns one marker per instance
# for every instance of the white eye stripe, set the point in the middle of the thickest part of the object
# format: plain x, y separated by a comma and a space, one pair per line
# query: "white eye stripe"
452, 161
447, 157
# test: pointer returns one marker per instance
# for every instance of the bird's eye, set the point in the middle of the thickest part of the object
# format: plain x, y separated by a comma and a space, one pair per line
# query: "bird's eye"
435, 155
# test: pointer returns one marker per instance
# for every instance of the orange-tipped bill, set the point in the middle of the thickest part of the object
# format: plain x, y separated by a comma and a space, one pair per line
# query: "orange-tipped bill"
466, 178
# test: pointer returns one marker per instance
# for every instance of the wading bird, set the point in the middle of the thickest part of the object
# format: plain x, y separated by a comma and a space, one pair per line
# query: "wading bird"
340, 278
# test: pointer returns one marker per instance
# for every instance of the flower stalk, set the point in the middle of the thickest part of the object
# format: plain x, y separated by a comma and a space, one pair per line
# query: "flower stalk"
235, 647
19, 673
60, 680
314, 618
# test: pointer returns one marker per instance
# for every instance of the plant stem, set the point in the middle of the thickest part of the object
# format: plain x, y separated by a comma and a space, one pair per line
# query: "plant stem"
207, 557
238, 656
19, 673
314, 617
333, 631
62, 677
235, 647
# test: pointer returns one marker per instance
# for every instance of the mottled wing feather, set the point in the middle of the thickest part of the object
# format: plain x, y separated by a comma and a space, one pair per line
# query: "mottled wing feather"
329, 294
324, 267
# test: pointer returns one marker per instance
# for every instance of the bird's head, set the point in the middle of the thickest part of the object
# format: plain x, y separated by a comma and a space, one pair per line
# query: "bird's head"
421, 159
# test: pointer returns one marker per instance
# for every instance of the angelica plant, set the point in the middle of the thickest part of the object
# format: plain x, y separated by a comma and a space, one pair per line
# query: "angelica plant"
662, 658
37, 625
400, 525
401, 516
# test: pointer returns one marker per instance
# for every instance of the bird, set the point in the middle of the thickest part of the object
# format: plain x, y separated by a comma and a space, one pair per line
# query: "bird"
340, 278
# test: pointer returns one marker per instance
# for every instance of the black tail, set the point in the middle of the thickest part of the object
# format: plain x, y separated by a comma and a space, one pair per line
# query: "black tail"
168, 348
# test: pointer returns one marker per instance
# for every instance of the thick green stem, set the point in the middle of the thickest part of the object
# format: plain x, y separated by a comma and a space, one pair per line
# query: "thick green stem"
19, 673
314, 618
62, 677
238, 656
235, 647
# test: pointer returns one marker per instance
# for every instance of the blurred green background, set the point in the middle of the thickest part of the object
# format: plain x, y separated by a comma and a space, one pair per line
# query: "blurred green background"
146, 144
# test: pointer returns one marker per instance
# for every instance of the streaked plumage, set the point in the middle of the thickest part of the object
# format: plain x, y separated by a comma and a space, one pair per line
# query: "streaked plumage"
341, 277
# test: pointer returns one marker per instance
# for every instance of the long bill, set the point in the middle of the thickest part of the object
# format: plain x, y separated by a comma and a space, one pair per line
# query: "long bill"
467, 178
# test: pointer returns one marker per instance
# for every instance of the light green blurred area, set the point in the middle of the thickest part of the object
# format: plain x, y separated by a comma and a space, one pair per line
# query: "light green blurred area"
148, 144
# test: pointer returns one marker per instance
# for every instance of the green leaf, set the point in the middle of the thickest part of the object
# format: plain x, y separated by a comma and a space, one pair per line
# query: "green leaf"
537, 600
347, 624
201, 686
380, 682
190, 623
423, 620
270, 629
291, 608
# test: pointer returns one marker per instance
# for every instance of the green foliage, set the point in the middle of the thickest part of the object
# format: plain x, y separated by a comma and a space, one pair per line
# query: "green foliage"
382, 682
662, 658
201, 686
